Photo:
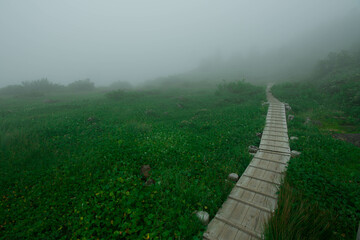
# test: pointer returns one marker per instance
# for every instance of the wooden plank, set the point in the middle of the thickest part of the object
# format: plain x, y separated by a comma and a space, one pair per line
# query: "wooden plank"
228, 233
271, 203
267, 178
256, 191
239, 212
275, 138
254, 203
276, 121
214, 229
228, 207
281, 126
275, 133
273, 157
275, 149
251, 218
267, 169
276, 111
276, 117
243, 236
274, 143
239, 226
268, 189
277, 130
262, 221
270, 160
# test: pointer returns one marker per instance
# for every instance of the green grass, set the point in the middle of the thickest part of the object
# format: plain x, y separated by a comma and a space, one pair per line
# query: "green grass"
327, 173
302, 219
71, 169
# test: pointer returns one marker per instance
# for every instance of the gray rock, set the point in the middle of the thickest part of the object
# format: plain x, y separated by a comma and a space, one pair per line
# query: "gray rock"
259, 134
233, 177
150, 112
264, 103
180, 105
253, 149
294, 138
203, 217
287, 107
92, 119
295, 153
291, 117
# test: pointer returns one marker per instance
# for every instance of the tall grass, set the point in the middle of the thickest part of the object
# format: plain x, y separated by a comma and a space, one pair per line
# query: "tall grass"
297, 219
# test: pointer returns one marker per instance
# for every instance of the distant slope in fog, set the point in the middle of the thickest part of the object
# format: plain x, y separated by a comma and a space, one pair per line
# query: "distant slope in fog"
291, 62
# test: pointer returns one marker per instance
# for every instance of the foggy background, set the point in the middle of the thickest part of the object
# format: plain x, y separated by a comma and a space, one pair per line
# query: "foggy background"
135, 40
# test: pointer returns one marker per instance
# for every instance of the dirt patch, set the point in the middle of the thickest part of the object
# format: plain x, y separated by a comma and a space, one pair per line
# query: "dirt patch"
353, 138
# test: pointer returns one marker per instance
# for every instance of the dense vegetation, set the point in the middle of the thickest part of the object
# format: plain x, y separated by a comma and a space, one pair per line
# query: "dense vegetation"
325, 179
39, 88
332, 95
71, 169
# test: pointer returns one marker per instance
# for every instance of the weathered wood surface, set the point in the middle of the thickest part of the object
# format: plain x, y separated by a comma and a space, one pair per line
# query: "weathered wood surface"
250, 203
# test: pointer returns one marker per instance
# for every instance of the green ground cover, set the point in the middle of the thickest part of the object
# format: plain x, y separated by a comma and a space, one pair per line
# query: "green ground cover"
325, 179
71, 169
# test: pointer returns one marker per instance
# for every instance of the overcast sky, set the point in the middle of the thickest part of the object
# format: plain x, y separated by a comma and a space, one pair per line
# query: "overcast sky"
134, 40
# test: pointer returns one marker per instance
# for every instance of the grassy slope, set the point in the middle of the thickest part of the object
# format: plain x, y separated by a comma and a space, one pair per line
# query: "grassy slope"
63, 176
327, 174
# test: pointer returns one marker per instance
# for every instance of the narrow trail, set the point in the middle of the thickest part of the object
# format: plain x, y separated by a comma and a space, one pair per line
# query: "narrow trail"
250, 203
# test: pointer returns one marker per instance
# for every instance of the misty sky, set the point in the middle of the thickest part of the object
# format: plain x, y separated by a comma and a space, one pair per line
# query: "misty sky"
136, 40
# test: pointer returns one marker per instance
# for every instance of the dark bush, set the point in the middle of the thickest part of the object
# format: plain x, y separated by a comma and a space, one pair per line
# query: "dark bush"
32, 88
120, 85
81, 85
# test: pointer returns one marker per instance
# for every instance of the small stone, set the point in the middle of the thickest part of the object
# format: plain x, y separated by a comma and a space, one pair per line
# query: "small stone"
185, 123
259, 134
92, 119
294, 138
253, 149
180, 105
287, 107
203, 217
295, 153
233, 177
150, 112
291, 117
264, 103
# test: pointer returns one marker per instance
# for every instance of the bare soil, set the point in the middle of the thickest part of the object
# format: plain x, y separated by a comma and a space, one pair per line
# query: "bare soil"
353, 138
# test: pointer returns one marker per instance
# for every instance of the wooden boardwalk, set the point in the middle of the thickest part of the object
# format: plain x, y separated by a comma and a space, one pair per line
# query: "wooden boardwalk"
250, 203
